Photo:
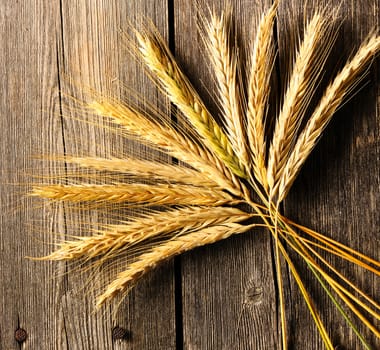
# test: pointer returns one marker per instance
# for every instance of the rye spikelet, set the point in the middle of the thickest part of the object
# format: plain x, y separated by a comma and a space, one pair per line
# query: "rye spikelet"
307, 67
331, 100
162, 252
225, 63
159, 60
262, 62
138, 194
112, 239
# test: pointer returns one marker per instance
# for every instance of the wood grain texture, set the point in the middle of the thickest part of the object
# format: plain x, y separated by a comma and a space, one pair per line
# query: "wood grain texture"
94, 54
228, 289
29, 101
337, 192
51, 50
218, 297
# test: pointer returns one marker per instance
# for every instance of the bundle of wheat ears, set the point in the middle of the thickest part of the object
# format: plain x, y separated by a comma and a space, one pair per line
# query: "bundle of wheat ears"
229, 177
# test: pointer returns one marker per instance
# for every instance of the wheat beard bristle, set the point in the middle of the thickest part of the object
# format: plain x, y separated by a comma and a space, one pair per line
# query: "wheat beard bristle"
221, 167
158, 59
225, 63
138, 169
262, 61
169, 140
306, 70
331, 100
113, 239
137, 194
162, 252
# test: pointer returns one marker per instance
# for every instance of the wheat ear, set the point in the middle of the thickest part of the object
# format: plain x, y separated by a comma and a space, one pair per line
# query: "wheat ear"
168, 140
331, 100
307, 67
138, 194
138, 169
262, 62
178, 245
114, 238
225, 62
159, 60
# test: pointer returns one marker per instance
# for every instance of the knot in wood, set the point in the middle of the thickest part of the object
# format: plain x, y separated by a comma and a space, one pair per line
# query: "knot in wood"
253, 295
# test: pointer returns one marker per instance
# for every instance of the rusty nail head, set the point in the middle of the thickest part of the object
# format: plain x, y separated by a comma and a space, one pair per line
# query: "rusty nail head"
119, 333
21, 335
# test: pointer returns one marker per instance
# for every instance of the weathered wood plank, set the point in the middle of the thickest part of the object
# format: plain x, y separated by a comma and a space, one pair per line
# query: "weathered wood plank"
228, 290
93, 54
229, 298
337, 192
213, 330
30, 124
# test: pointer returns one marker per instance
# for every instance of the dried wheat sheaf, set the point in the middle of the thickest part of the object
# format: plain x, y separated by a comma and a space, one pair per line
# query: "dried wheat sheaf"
222, 169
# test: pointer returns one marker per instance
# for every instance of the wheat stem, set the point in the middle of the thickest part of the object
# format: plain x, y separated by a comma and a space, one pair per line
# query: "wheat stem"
336, 287
340, 309
279, 280
307, 244
330, 242
322, 330
354, 287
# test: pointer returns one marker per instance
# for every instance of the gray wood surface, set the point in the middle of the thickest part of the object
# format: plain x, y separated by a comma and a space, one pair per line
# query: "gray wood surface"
228, 289
29, 102
92, 53
217, 297
337, 192
48, 48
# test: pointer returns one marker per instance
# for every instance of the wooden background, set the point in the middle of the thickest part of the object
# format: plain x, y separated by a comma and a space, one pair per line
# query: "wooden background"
217, 297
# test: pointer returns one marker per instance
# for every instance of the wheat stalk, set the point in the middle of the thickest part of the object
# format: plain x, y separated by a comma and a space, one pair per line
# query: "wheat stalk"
113, 238
301, 83
331, 100
140, 194
195, 199
178, 245
262, 61
158, 59
225, 63
167, 139
143, 168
